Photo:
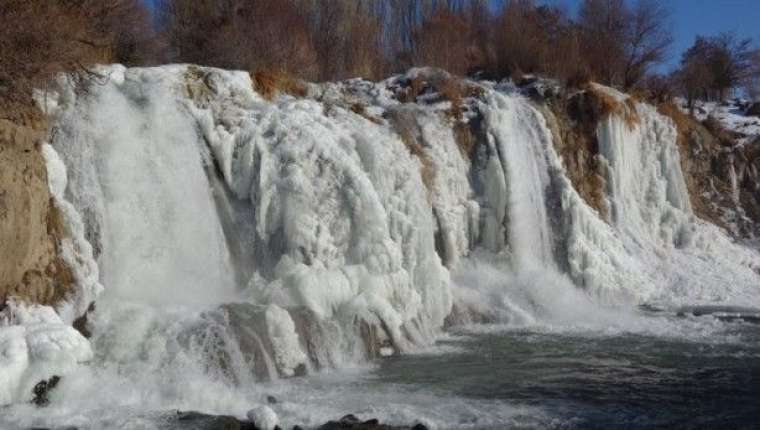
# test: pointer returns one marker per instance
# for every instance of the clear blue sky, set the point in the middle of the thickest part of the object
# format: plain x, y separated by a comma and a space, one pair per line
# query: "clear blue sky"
705, 17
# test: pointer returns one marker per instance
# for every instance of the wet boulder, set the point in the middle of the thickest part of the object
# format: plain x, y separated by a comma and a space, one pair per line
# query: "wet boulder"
351, 422
200, 421
264, 418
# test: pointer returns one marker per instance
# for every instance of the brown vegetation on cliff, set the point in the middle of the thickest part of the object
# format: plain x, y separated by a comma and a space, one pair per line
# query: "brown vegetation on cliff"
708, 155
269, 83
573, 118
573, 122
405, 124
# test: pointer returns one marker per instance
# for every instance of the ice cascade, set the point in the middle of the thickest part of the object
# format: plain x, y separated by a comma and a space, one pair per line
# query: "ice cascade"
242, 239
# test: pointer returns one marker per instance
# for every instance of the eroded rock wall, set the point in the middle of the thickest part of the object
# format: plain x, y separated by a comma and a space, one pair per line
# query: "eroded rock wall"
30, 224
721, 175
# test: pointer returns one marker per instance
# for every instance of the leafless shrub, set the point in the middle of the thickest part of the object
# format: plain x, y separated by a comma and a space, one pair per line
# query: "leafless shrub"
713, 66
713, 125
39, 38
447, 40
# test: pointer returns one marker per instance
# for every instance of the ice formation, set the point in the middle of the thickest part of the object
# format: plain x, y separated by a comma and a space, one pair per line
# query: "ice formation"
339, 219
38, 342
241, 238
264, 417
35, 344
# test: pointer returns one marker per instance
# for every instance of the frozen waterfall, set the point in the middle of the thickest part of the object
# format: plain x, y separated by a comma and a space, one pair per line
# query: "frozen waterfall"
243, 240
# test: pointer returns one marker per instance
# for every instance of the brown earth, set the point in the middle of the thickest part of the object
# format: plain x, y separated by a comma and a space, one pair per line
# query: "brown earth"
30, 225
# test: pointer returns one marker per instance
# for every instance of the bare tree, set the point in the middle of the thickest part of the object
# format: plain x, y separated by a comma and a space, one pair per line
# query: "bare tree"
752, 84
41, 37
622, 42
347, 38
250, 35
730, 62
447, 40
647, 41
605, 28
713, 66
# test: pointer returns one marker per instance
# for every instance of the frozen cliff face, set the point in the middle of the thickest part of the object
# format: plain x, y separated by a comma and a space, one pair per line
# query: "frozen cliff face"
342, 220
649, 248
242, 239
683, 259
197, 192
74, 248
722, 148
352, 213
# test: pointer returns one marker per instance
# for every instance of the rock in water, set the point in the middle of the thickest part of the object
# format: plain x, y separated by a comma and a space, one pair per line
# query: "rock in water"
351, 422
263, 417
201, 421
42, 389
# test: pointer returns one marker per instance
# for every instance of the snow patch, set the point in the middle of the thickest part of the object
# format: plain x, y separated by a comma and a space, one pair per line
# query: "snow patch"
35, 344
282, 332
263, 417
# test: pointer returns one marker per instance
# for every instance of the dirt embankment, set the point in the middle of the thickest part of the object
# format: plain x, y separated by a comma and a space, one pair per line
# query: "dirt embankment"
31, 267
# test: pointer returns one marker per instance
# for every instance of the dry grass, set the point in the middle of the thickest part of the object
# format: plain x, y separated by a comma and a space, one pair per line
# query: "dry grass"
196, 85
604, 105
579, 79
465, 138
413, 90
405, 124
269, 83
361, 110
427, 171
573, 121
595, 192
725, 137
451, 89
682, 121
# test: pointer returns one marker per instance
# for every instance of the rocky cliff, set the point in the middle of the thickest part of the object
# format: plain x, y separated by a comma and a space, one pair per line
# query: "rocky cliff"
720, 165
31, 226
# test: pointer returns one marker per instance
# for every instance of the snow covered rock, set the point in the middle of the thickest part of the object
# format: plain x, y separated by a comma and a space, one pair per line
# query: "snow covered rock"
74, 247
35, 345
287, 349
263, 417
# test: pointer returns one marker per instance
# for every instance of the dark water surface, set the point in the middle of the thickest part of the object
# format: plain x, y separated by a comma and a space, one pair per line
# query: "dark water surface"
604, 381
670, 373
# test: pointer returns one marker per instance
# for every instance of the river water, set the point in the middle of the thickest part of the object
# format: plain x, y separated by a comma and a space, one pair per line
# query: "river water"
593, 380
669, 372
